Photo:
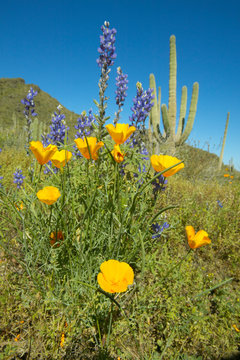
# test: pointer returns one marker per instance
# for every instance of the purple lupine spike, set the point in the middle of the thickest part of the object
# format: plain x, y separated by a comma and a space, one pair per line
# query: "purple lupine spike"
158, 229
29, 110
18, 178
58, 128
142, 104
107, 48
105, 60
85, 124
57, 135
158, 184
121, 83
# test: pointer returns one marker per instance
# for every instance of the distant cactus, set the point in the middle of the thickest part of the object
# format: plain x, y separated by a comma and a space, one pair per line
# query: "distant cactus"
231, 164
34, 129
14, 119
169, 114
223, 143
37, 129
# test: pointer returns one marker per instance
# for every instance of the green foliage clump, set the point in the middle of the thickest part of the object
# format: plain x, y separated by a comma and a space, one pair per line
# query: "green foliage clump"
175, 308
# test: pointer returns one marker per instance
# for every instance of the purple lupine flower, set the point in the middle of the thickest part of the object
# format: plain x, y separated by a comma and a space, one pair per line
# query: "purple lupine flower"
57, 135
18, 178
158, 229
142, 165
29, 104
45, 139
107, 48
85, 124
219, 203
121, 83
142, 104
158, 184
122, 166
105, 60
133, 141
58, 128
144, 152
29, 111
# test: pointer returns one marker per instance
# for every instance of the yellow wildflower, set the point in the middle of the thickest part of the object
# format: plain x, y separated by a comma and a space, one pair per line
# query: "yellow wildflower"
196, 240
117, 154
42, 154
162, 162
90, 143
60, 158
115, 276
48, 195
120, 133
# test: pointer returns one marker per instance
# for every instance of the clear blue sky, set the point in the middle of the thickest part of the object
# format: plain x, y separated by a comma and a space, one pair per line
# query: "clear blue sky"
54, 44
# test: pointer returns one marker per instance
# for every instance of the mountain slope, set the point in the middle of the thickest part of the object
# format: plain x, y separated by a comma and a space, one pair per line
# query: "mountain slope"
11, 108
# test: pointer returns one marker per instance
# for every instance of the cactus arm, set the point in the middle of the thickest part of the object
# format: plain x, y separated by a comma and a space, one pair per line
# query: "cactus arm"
165, 119
154, 115
192, 114
154, 118
172, 103
182, 115
223, 144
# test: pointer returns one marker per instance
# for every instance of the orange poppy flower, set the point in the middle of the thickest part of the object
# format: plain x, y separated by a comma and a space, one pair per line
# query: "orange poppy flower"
115, 276
236, 328
60, 158
162, 162
117, 154
91, 142
226, 175
48, 195
42, 154
62, 339
20, 207
17, 337
56, 240
120, 133
196, 240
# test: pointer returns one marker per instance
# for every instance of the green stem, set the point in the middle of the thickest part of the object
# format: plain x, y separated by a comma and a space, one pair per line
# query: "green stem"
214, 287
99, 334
110, 324
50, 217
39, 175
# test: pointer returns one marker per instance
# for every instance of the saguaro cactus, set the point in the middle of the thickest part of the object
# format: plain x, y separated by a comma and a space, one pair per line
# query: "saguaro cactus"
223, 143
169, 114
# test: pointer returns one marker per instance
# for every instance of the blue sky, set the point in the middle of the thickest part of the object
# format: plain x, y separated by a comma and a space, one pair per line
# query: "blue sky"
54, 44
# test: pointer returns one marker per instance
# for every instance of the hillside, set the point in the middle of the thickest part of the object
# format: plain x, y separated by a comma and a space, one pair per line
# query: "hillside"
11, 108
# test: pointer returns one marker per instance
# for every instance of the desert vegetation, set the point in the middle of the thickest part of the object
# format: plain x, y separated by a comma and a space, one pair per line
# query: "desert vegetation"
109, 248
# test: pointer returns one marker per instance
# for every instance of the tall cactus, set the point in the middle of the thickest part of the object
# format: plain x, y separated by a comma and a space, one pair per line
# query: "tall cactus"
169, 114
223, 143
37, 129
